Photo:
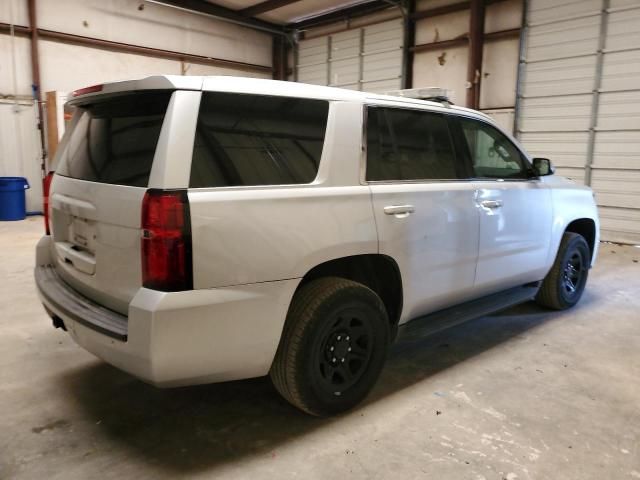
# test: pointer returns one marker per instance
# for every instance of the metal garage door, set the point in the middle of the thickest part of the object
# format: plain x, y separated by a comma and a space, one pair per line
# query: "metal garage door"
367, 58
580, 101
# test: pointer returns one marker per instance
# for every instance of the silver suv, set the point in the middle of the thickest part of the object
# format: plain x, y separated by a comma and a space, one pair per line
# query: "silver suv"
204, 229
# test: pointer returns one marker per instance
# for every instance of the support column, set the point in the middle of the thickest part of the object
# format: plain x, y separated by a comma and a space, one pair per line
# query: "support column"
522, 63
361, 59
35, 74
595, 100
408, 44
279, 60
474, 65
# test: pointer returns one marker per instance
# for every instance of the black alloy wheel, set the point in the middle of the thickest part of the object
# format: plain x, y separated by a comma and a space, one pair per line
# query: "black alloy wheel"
345, 351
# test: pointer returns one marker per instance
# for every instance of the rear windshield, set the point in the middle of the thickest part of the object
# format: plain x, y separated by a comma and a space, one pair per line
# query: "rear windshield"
115, 139
257, 140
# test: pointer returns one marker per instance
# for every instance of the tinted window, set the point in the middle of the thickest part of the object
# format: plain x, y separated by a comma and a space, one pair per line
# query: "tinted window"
492, 153
257, 140
115, 139
408, 145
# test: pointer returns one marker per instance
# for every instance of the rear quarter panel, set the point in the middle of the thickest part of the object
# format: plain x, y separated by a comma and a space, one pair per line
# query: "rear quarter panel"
260, 235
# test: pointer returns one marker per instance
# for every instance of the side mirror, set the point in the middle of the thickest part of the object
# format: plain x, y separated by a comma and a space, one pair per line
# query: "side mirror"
543, 167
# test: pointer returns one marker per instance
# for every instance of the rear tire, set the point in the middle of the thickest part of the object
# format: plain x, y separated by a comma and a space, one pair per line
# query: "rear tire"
333, 346
565, 282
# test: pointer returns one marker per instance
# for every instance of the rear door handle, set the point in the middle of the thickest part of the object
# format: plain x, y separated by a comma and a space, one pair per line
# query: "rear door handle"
491, 203
400, 211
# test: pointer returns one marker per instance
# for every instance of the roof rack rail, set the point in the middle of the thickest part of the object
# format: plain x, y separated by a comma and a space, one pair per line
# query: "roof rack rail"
432, 94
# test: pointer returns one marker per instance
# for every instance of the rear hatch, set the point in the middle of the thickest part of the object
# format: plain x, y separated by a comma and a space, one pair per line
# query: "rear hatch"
97, 193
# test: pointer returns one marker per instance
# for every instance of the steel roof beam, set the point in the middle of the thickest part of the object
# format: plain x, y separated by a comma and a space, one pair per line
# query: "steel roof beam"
265, 6
222, 13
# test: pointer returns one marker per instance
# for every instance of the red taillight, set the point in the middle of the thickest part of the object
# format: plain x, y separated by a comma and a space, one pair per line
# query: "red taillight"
84, 91
46, 186
166, 241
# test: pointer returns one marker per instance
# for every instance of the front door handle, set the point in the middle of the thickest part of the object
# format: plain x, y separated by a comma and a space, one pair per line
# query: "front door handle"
400, 211
491, 203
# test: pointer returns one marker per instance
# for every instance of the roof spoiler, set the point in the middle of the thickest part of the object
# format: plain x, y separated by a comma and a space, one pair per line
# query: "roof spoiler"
155, 82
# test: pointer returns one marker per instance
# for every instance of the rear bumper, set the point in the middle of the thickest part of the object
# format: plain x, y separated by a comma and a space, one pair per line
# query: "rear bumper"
60, 297
176, 338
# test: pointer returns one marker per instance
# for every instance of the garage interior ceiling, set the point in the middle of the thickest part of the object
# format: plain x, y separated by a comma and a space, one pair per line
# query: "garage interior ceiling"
280, 15
285, 12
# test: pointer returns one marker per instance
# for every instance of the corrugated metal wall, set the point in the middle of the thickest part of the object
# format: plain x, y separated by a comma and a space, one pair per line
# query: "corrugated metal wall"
368, 58
580, 103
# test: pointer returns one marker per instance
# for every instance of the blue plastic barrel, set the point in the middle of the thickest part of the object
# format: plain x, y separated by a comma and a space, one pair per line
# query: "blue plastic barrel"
12, 198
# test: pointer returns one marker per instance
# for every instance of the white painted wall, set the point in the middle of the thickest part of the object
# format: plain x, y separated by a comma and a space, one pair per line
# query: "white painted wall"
20, 148
442, 27
155, 26
502, 16
69, 67
17, 8
500, 74
21, 49
500, 58
447, 67
66, 67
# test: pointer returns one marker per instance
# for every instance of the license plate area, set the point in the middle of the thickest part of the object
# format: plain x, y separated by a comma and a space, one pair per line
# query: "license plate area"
77, 250
82, 235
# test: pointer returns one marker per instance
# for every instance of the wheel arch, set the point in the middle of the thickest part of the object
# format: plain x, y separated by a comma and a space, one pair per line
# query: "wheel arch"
378, 272
586, 227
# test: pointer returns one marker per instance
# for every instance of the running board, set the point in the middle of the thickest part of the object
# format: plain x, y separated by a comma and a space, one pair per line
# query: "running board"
452, 316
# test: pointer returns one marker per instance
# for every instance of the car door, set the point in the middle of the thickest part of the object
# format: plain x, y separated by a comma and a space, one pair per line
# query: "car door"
424, 206
515, 210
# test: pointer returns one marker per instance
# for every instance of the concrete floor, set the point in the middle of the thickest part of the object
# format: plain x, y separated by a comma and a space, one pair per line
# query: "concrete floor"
525, 394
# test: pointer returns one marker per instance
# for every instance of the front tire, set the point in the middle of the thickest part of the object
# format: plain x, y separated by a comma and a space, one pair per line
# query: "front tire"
564, 284
333, 346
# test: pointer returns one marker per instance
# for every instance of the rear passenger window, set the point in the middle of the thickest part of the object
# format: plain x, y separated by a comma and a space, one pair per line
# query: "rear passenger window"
408, 145
257, 140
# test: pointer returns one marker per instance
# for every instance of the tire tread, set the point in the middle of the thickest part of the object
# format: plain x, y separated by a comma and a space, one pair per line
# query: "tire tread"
548, 295
284, 370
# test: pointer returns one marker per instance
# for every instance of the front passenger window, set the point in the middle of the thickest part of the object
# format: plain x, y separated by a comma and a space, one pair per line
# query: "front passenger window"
492, 153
